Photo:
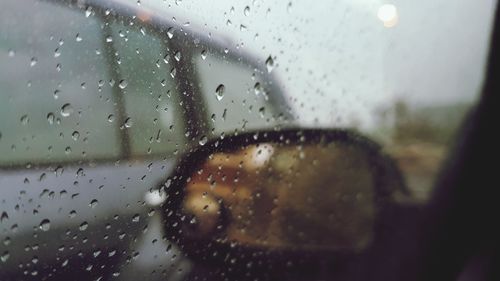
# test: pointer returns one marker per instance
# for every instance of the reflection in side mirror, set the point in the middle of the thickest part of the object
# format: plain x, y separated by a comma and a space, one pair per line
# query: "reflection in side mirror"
312, 195
297, 190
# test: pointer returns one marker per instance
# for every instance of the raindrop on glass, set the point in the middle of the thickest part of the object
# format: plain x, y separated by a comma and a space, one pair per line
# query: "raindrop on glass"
25, 119
136, 218
5, 256
177, 56
269, 64
170, 32
33, 61
75, 135
66, 110
93, 203
203, 140
4, 216
44, 225
123, 84
219, 92
83, 226
128, 122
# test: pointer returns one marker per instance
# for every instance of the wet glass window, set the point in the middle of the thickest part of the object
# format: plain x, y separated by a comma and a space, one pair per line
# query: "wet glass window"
227, 82
151, 112
56, 92
225, 140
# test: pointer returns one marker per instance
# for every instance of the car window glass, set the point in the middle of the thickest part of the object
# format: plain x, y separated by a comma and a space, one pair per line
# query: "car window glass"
151, 111
102, 102
56, 96
235, 92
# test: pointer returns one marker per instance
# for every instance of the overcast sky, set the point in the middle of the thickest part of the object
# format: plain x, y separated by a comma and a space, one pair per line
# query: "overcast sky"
339, 61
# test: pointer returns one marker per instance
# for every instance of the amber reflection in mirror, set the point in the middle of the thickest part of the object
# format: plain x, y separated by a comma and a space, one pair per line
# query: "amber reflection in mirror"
301, 197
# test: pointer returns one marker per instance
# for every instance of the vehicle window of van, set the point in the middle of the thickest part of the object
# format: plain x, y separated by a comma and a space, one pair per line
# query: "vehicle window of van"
227, 83
56, 96
151, 111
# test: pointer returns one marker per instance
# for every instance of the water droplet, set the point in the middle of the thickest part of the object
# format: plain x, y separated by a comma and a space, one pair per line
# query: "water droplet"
5, 256
203, 140
93, 203
204, 54
109, 39
88, 11
111, 118
166, 58
219, 92
262, 111
96, 253
170, 32
128, 122
246, 11
136, 218
25, 119
83, 226
269, 64
33, 61
123, 84
80, 172
75, 135
72, 214
177, 56
66, 110
4, 217
78, 38
44, 225
224, 113
58, 171
257, 89
57, 53
67, 150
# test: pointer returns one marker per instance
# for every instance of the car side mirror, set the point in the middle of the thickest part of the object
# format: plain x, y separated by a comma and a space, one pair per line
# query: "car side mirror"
290, 192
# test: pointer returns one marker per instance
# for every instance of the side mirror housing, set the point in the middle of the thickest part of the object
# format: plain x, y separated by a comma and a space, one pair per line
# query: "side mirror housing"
282, 194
